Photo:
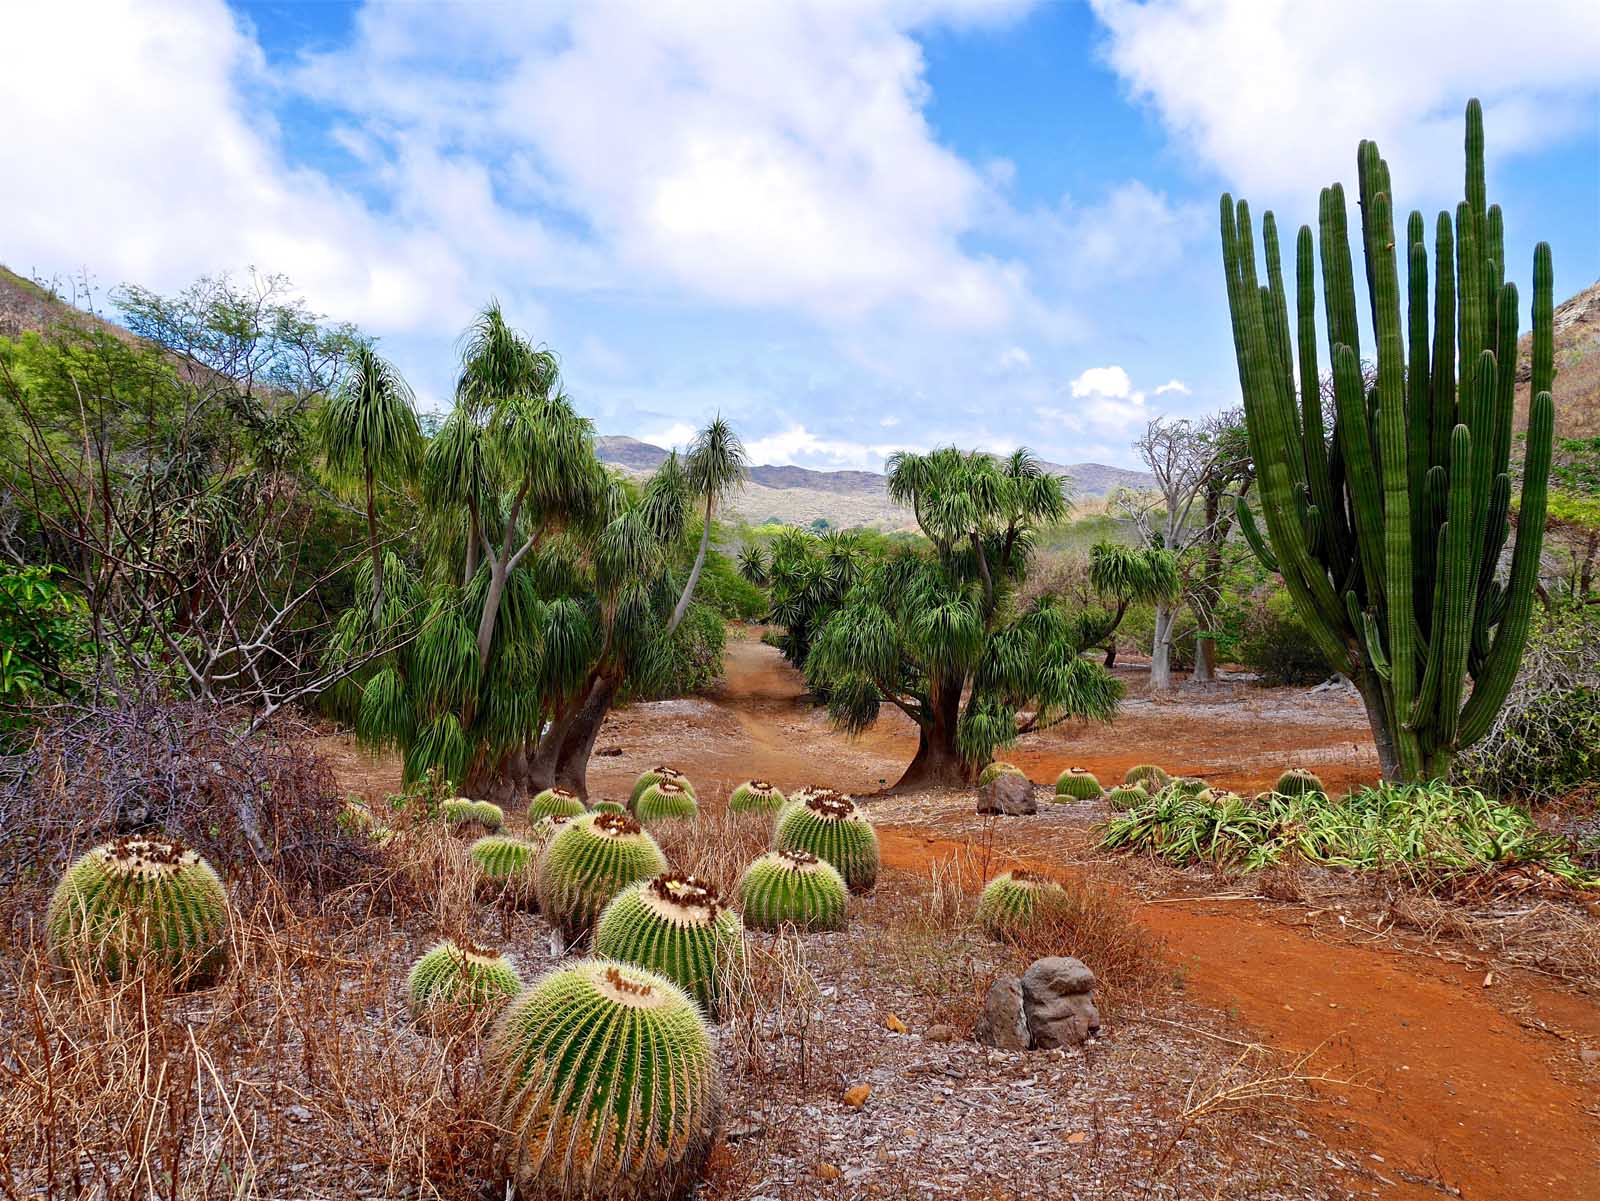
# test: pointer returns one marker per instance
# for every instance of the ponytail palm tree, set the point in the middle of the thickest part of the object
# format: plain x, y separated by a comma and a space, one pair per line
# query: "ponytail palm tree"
1126, 576
715, 467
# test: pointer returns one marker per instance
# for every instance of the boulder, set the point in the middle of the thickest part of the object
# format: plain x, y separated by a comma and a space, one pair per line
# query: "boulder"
1058, 1002
1003, 1024
1009, 795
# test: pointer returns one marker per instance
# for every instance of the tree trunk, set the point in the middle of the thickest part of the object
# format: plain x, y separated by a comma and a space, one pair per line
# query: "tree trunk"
1205, 659
937, 763
682, 606
572, 763
542, 766
1111, 654
1371, 691
1161, 647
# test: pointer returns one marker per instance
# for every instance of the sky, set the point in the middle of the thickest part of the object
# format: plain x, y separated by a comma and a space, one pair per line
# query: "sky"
849, 226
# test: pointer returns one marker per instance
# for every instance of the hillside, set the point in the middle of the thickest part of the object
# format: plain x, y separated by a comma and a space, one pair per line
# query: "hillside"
1577, 386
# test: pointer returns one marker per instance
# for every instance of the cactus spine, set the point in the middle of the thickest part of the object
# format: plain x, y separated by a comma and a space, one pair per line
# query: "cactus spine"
607, 1085
1388, 530
1077, 784
142, 901
756, 796
675, 925
590, 860
464, 975
555, 802
665, 800
829, 825
792, 888
1013, 900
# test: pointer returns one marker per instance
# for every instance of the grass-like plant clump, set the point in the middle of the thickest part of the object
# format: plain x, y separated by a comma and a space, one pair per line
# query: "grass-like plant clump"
1428, 828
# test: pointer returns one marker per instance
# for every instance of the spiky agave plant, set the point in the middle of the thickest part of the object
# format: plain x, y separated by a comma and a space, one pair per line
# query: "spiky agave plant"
1126, 796
756, 796
507, 867
654, 776
463, 975
665, 800
555, 802
607, 1085
590, 860
1147, 774
1077, 784
996, 769
792, 888
143, 901
1013, 900
1298, 781
677, 926
831, 827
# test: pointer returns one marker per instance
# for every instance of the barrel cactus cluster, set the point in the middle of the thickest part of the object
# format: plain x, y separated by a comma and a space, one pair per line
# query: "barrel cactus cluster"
1077, 784
1388, 529
1148, 775
830, 826
665, 800
589, 861
140, 903
555, 802
756, 796
606, 1085
1015, 900
1298, 781
461, 813
1189, 785
793, 888
654, 776
676, 926
463, 975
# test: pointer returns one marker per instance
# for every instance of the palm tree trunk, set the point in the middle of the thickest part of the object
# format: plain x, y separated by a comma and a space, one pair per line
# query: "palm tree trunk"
937, 763
694, 574
1161, 647
572, 765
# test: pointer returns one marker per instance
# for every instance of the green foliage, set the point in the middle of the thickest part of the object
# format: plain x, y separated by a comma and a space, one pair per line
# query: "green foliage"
1147, 774
676, 926
1273, 642
830, 826
1077, 784
756, 796
1298, 781
688, 662
466, 976
793, 888
1014, 900
1389, 537
590, 860
724, 590
1429, 830
1126, 796
999, 768
607, 1085
140, 903
41, 634
665, 801
654, 776
555, 802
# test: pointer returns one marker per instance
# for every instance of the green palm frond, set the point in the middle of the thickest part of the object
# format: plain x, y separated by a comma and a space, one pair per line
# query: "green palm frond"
369, 425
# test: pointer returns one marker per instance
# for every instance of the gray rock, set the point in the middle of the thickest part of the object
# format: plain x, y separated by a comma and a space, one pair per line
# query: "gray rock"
1058, 1002
939, 1033
1003, 1024
1009, 795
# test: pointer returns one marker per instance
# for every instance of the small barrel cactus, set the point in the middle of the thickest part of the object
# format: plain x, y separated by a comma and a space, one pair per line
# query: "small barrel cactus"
831, 827
555, 802
1125, 797
998, 768
608, 807
665, 800
507, 866
755, 796
141, 902
792, 888
607, 1085
459, 812
1013, 900
654, 776
1189, 785
1147, 774
1077, 784
590, 860
1298, 781
676, 926
488, 815
460, 974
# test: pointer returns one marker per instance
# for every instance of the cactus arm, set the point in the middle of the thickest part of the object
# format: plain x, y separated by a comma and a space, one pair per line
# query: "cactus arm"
1252, 535
1460, 567
1335, 539
1443, 383
1428, 690
1419, 406
1477, 192
1544, 351
1469, 289
1338, 284
1506, 384
1278, 312
1361, 469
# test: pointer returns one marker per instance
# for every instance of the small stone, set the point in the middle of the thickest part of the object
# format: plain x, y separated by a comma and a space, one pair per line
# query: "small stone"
1589, 1055
1076, 1137
857, 1097
940, 1033
1058, 1002
1003, 1025
1008, 795
895, 1024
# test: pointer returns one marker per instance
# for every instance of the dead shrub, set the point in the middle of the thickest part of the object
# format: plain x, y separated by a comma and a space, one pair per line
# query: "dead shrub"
1099, 926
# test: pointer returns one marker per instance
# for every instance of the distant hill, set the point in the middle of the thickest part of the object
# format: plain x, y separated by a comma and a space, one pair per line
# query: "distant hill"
1577, 386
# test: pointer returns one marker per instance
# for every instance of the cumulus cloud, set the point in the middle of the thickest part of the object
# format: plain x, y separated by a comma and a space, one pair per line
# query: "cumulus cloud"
1173, 385
799, 446
1110, 381
1304, 83
1105, 402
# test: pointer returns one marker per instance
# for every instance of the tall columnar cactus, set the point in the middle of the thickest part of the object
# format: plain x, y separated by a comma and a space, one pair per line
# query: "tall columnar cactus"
507, 867
793, 888
829, 825
590, 860
1388, 530
607, 1085
665, 800
1077, 784
140, 902
1297, 781
555, 802
465, 975
1014, 900
654, 776
755, 796
675, 925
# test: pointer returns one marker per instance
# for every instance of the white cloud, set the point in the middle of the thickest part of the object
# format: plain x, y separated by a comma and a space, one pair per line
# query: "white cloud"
798, 445
1276, 94
1110, 381
1106, 403
676, 436
1014, 358
1173, 385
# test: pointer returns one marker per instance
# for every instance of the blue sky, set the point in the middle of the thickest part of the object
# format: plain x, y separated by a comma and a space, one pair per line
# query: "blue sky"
849, 225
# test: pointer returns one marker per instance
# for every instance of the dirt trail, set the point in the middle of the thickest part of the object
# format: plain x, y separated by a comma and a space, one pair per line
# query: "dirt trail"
1463, 1090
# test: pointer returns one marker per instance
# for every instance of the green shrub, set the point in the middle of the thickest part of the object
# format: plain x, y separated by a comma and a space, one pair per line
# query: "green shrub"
1275, 644
1012, 900
1147, 774
607, 1085
468, 976
691, 661
792, 888
555, 802
665, 800
590, 860
829, 825
756, 796
1298, 781
677, 927
1077, 784
41, 633
141, 902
